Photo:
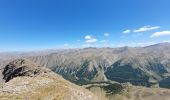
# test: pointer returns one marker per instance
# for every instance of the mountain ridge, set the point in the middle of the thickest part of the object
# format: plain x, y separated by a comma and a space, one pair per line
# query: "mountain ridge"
95, 64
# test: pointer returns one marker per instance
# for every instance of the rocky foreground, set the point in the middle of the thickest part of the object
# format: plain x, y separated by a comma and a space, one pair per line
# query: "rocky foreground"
27, 81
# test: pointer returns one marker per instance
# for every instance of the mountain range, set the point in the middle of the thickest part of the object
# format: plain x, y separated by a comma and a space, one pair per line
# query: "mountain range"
125, 73
144, 66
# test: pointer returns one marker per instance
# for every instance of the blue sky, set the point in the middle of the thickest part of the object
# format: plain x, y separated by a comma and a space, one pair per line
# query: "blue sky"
43, 24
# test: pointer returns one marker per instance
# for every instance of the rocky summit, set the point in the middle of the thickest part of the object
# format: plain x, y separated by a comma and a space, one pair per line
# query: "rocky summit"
21, 67
27, 81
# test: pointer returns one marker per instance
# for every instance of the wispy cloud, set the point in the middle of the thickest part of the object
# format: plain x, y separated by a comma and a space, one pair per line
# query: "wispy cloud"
137, 44
122, 37
66, 45
78, 40
146, 28
162, 33
89, 45
90, 39
87, 37
106, 34
167, 41
86, 45
103, 41
126, 31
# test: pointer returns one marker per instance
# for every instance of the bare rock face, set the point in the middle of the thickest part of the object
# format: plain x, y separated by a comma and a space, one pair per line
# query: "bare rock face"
21, 67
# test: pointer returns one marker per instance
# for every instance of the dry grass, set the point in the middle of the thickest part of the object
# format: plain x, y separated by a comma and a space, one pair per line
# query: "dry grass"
134, 93
44, 87
142, 93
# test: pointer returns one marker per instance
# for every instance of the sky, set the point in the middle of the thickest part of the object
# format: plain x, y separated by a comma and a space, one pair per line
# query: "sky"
27, 25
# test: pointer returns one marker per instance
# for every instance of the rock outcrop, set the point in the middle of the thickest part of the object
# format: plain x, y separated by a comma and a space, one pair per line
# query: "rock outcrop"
27, 81
21, 67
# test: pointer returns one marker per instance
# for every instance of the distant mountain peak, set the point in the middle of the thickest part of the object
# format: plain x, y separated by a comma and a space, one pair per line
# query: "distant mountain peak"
160, 44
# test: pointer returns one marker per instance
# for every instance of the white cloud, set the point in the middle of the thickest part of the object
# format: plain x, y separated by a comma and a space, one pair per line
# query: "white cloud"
162, 33
87, 37
146, 28
90, 39
137, 44
126, 31
106, 34
166, 41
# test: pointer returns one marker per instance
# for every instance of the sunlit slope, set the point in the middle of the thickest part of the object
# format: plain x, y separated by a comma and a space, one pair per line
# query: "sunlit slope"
27, 81
145, 66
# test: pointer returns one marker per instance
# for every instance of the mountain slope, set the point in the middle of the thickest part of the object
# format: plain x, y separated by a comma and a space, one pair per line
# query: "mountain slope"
127, 91
145, 66
27, 81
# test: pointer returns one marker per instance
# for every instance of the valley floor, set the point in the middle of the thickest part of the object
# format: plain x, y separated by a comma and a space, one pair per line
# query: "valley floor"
143, 93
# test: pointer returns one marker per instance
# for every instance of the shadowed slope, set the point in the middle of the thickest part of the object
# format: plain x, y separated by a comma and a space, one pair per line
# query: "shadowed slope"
145, 66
